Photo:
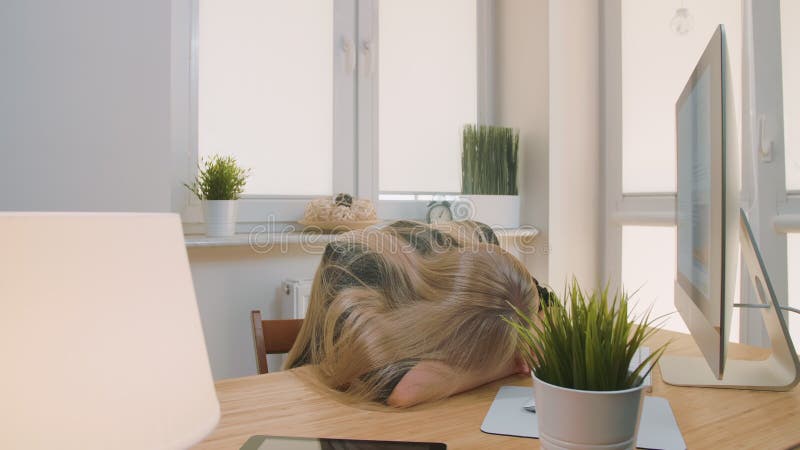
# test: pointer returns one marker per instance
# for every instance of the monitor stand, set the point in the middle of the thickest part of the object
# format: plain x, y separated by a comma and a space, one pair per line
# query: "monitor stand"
779, 372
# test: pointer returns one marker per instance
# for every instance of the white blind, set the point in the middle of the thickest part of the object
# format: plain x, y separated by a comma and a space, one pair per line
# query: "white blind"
790, 61
427, 92
793, 242
265, 91
649, 266
656, 64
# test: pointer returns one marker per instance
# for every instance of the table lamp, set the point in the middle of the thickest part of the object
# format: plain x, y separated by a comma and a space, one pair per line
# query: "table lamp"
100, 335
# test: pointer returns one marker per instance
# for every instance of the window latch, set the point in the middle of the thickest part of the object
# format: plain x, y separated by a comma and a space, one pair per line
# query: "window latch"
349, 55
369, 58
764, 143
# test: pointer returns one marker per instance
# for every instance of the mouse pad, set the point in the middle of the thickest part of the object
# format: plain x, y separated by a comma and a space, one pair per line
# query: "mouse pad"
657, 429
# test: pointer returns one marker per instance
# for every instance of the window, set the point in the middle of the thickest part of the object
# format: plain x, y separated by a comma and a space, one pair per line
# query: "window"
648, 268
640, 136
656, 63
326, 96
268, 102
790, 63
794, 286
427, 93
653, 67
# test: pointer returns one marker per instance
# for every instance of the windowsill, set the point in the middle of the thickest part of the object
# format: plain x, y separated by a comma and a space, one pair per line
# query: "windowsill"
516, 233
291, 238
258, 239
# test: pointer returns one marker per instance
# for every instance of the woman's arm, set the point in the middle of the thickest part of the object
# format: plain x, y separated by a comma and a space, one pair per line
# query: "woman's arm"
431, 380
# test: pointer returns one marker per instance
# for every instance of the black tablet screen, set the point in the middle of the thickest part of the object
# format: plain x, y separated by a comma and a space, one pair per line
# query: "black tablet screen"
294, 443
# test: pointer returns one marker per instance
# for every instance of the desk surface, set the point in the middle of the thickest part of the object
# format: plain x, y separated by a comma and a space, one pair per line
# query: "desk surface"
282, 404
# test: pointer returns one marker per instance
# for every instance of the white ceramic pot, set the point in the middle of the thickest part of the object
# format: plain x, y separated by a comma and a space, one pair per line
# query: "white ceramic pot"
220, 217
494, 210
570, 419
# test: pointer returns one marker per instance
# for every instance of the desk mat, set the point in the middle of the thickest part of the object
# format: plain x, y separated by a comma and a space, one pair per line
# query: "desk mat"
657, 429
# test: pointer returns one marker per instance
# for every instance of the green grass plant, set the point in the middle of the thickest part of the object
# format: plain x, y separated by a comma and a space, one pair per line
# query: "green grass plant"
586, 342
219, 178
489, 160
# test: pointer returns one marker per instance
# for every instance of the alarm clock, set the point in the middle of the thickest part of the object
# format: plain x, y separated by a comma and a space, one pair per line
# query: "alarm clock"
439, 212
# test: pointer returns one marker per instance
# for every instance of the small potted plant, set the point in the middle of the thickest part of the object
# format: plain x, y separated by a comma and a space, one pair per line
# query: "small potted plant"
587, 395
218, 185
489, 176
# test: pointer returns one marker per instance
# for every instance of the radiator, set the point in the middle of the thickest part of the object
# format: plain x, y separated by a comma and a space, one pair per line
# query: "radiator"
296, 295
294, 303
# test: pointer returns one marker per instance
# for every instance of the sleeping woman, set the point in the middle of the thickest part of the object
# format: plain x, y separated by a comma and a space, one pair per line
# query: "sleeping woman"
413, 312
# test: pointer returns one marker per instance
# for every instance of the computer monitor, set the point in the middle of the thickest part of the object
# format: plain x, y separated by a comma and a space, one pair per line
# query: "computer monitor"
710, 227
707, 203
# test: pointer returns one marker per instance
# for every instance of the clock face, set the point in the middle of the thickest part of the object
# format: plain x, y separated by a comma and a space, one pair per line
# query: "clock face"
439, 212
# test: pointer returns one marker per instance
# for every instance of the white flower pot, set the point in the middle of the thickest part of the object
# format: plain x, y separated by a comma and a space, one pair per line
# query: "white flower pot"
572, 419
220, 217
494, 210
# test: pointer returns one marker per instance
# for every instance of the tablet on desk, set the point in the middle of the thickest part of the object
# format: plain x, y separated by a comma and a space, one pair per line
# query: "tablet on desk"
295, 443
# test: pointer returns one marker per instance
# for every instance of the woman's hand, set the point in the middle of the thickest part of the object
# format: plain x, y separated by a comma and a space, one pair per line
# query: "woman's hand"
521, 367
430, 380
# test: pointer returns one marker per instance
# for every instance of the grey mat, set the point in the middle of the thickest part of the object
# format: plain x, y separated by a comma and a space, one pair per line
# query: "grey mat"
657, 429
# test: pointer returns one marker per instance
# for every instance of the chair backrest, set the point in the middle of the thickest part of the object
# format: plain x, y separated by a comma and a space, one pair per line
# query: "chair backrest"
272, 337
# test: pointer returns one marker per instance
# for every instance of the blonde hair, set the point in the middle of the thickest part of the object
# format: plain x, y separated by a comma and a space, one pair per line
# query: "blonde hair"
384, 299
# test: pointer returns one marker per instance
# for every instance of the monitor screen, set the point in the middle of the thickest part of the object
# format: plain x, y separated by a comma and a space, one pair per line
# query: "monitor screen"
694, 142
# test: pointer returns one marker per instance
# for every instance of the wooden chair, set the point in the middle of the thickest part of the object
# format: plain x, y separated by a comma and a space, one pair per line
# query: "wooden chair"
272, 337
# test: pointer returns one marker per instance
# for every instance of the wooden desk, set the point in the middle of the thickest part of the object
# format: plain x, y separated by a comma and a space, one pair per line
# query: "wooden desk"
282, 404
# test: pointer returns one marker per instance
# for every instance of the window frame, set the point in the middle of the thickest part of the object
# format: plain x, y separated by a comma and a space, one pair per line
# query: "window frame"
355, 115
779, 210
258, 209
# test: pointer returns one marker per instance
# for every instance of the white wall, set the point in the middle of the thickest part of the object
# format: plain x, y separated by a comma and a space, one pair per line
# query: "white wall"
520, 100
84, 105
229, 283
574, 142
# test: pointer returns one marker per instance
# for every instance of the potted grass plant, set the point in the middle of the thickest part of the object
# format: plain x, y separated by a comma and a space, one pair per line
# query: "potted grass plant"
219, 184
587, 394
489, 176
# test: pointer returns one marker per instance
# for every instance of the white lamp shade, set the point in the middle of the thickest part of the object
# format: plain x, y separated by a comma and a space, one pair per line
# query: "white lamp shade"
100, 336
